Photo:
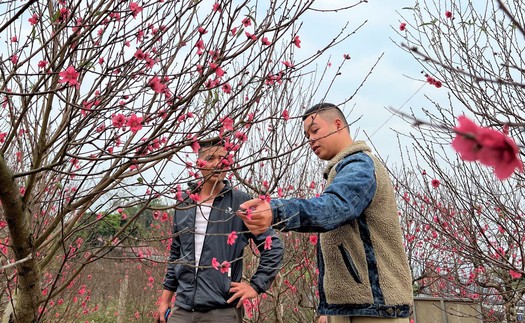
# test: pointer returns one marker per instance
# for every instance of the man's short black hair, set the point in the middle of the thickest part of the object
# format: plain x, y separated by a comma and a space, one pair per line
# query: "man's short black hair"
211, 142
322, 107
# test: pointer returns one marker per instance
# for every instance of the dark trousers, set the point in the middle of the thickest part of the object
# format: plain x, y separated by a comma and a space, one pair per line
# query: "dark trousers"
222, 315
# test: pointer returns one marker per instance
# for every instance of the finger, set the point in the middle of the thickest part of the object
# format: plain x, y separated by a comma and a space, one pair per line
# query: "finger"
248, 204
241, 301
234, 297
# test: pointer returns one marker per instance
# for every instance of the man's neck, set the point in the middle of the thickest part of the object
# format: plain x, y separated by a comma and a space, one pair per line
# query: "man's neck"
209, 190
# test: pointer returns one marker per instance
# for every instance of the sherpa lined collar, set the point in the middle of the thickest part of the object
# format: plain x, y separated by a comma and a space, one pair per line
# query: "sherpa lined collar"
356, 146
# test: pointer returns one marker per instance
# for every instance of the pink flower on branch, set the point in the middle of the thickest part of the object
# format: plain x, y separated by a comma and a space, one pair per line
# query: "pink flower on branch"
288, 64
285, 115
202, 30
246, 22
135, 9
156, 84
195, 197
33, 20
265, 41
134, 123
435, 183
227, 88
118, 120
433, 81
139, 54
515, 274
219, 72
215, 263
268, 243
231, 238
225, 266
195, 146
250, 36
69, 76
227, 125
488, 146
297, 42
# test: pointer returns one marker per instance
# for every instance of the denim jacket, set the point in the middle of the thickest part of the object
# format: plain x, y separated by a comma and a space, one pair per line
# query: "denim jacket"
363, 268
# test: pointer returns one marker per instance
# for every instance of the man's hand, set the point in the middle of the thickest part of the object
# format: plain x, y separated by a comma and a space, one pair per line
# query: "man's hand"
165, 303
241, 291
257, 215
163, 307
322, 319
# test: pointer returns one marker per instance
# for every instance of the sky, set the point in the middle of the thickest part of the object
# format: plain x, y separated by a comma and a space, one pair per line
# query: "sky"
396, 79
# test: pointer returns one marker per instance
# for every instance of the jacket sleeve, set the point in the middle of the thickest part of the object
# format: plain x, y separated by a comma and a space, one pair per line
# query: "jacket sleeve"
270, 261
170, 279
350, 192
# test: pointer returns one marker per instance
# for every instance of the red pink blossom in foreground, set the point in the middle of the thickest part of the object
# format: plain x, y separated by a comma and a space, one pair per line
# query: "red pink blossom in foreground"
488, 146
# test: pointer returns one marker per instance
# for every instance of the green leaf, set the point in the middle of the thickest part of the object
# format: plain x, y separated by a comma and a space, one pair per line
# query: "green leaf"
55, 16
140, 180
433, 22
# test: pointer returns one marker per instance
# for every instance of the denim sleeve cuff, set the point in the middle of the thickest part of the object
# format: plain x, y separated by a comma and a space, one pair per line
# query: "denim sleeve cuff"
277, 208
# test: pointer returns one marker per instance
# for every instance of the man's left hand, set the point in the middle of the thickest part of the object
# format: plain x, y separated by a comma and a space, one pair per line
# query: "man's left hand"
241, 291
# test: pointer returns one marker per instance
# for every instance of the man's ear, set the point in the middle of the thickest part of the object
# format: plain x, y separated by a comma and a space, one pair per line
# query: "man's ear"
339, 125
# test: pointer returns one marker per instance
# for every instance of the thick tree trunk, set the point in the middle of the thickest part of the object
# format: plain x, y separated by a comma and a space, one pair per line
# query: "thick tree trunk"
27, 292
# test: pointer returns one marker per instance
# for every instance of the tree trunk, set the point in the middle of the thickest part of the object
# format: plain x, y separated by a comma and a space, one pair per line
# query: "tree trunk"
27, 291
122, 299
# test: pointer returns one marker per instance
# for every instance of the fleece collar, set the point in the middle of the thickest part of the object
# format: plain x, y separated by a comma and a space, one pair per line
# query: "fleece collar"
354, 147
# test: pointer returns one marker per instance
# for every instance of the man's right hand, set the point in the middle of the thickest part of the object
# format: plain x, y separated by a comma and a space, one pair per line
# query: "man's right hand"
257, 215
165, 303
163, 307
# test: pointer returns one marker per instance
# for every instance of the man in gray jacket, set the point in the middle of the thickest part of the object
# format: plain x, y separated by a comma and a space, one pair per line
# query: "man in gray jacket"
205, 264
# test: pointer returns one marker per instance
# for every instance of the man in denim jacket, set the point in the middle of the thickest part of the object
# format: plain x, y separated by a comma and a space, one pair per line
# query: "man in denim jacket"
363, 269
